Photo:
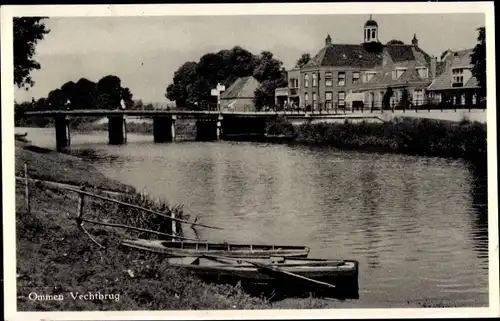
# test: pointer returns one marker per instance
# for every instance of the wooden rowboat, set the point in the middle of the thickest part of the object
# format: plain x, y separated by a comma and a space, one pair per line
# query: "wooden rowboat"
223, 249
286, 275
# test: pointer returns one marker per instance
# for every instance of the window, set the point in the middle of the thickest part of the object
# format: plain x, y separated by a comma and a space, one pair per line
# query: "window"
306, 99
368, 76
373, 34
306, 80
474, 99
341, 80
457, 77
315, 104
328, 79
294, 83
328, 99
462, 99
314, 80
418, 97
399, 72
341, 98
423, 72
355, 77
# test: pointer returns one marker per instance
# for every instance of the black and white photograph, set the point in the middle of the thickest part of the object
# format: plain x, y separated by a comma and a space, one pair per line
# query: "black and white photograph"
333, 160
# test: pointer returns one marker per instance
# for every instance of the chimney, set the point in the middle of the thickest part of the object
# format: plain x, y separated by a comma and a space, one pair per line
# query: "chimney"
433, 67
414, 41
328, 40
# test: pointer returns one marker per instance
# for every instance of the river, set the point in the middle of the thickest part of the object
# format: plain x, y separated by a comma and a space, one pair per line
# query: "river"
417, 225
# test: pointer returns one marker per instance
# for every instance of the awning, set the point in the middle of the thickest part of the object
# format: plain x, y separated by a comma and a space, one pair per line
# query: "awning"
355, 97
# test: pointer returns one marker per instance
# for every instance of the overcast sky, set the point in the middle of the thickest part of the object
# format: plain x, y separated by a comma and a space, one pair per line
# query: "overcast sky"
145, 51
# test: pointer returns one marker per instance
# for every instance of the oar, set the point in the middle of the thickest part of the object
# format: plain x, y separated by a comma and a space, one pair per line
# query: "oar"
271, 268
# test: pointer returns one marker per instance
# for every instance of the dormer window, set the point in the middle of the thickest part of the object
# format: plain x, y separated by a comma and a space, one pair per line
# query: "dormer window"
368, 76
423, 72
457, 77
397, 73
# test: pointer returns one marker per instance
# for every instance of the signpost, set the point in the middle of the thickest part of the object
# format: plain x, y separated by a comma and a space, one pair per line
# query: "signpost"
216, 92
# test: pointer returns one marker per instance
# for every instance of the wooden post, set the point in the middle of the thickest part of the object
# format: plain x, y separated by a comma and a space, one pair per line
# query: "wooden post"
81, 202
26, 184
174, 226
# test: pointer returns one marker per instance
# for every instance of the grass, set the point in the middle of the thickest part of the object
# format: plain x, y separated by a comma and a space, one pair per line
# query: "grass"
55, 257
426, 137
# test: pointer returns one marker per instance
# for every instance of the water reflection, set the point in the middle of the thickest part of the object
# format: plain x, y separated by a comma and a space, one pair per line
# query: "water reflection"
479, 192
370, 196
417, 225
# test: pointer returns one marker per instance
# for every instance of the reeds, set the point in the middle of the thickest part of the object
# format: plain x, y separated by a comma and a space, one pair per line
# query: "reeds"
424, 137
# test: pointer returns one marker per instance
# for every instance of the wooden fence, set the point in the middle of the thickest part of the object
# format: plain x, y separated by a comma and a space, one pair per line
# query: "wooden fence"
80, 220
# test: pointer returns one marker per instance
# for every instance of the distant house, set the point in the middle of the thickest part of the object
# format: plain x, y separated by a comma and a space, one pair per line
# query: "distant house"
343, 75
239, 96
455, 85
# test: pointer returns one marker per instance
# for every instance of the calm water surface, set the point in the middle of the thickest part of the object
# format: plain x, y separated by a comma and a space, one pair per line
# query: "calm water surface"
417, 225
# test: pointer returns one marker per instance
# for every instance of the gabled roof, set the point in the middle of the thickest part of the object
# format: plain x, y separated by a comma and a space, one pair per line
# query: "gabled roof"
461, 58
410, 75
346, 55
455, 59
242, 88
342, 55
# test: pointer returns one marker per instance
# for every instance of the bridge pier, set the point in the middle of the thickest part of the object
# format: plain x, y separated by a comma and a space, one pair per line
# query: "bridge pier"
164, 128
63, 137
117, 130
209, 129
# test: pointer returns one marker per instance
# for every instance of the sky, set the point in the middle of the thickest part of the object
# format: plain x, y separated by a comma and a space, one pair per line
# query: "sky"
146, 51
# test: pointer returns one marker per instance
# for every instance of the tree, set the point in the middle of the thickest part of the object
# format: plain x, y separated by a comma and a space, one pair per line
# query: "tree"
27, 33
395, 42
109, 92
271, 75
478, 60
303, 60
85, 94
180, 90
127, 97
193, 81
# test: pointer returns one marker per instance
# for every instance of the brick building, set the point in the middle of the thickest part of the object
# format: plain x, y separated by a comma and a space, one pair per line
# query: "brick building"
347, 75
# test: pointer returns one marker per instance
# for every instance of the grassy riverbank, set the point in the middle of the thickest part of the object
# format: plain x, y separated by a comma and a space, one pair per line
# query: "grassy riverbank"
55, 257
413, 136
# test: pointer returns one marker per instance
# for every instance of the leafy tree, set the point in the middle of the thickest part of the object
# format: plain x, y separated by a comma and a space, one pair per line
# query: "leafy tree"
478, 59
85, 94
181, 90
127, 97
271, 75
109, 92
55, 99
27, 33
193, 81
395, 42
303, 60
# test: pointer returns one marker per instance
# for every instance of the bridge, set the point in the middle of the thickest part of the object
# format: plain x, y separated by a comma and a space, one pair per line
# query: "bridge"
215, 125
